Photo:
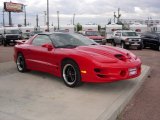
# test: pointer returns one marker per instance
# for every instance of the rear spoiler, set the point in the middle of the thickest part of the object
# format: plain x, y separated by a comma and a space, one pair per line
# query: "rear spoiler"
21, 41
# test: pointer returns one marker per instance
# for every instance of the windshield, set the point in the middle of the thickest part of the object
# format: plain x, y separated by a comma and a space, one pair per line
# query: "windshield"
70, 40
12, 31
129, 34
92, 33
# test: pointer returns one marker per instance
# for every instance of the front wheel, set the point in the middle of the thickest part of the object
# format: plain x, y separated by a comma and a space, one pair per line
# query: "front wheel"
140, 47
21, 65
4, 43
124, 46
71, 73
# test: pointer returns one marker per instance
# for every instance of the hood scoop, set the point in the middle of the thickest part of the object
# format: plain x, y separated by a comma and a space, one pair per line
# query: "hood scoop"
123, 57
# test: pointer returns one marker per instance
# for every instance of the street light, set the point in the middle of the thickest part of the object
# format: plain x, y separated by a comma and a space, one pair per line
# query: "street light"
48, 15
25, 21
73, 18
58, 18
3, 19
45, 17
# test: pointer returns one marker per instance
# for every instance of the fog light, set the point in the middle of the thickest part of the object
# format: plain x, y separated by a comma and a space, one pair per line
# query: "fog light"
123, 73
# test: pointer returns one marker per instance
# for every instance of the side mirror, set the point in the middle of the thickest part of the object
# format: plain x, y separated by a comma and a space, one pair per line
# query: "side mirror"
48, 46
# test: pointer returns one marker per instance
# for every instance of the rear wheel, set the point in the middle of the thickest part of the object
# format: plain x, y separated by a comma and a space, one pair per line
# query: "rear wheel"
71, 73
21, 65
113, 42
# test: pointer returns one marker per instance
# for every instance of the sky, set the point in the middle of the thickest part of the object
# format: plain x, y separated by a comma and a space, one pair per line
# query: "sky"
86, 11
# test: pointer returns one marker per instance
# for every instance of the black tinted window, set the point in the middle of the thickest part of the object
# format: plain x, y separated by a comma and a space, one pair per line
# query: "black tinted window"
63, 40
40, 40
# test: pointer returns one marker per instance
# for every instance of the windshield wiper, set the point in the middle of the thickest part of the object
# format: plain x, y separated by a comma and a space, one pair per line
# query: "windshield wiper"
67, 46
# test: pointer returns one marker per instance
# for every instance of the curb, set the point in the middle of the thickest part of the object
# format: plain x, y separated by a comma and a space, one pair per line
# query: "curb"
124, 99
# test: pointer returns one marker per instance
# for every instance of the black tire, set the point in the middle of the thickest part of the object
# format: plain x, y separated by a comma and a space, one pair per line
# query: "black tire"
71, 73
140, 47
113, 42
4, 43
124, 46
21, 64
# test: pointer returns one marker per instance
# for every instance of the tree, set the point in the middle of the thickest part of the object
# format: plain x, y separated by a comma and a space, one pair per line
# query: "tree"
79, 27
99, 27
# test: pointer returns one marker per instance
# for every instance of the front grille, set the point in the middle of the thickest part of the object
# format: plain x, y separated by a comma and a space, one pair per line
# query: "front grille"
12, 37
134, 40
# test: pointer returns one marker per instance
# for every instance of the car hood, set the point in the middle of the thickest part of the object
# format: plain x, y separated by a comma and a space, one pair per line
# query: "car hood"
103, 53
136, 37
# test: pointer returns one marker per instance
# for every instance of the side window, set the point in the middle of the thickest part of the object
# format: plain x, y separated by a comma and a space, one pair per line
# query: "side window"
40, 40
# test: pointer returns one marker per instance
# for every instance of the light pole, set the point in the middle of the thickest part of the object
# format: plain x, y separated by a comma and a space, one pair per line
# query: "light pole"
73, 18
45, 17
58, 18
3, 19
48, 15
25, 21
37, 20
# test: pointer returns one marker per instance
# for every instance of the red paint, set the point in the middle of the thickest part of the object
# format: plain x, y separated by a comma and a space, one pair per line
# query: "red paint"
99, 61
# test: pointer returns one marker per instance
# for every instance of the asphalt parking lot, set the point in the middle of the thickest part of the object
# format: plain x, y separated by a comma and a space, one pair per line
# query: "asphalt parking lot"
39, 97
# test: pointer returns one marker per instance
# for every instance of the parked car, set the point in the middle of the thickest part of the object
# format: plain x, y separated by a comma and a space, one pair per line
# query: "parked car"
10, 35
76, 59
127, 38
151, 39
25, 35
94, 35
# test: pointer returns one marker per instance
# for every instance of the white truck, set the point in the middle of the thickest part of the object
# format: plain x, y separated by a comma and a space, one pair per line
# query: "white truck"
10, 35
109, 29
138, 28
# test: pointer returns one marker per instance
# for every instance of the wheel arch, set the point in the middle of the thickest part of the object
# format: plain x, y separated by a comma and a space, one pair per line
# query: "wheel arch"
68, 59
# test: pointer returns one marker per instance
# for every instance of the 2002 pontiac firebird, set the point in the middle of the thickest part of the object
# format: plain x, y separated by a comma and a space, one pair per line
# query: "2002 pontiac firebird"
76, 59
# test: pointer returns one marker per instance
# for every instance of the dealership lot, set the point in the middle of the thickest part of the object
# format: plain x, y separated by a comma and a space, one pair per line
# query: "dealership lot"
34, 95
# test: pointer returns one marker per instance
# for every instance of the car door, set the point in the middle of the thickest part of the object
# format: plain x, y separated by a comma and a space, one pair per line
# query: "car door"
153, 41
146, 38
41, 58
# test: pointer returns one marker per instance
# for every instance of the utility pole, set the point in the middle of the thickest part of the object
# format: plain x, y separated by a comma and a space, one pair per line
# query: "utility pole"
3, 19
114, 17
10, 19
37, 20
48, 15
45, 17
25, 21
58, 18
73, 18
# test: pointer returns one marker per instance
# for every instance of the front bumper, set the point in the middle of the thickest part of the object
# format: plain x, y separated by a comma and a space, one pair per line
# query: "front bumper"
112, 72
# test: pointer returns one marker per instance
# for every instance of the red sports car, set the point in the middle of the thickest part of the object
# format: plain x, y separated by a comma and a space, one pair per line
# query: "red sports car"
76, 59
